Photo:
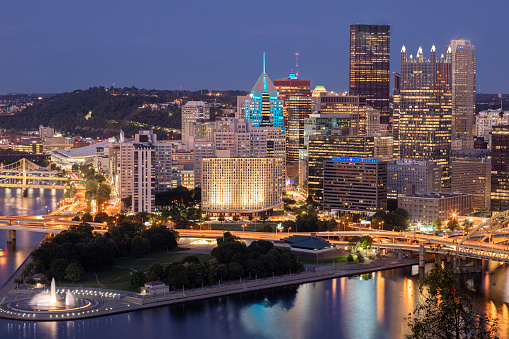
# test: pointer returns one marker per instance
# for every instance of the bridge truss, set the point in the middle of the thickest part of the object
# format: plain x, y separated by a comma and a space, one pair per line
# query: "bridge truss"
25, 174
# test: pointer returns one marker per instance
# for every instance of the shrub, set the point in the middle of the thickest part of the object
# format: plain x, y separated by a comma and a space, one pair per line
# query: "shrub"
349, 258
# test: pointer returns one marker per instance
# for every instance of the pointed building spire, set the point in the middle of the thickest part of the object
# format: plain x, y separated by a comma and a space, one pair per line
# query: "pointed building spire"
403, 49
264, 75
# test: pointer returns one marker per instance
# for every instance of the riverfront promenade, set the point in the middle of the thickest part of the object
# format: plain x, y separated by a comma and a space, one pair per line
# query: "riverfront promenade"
127, 302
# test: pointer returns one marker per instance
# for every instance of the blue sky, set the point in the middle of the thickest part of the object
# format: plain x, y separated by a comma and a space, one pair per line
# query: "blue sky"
56, 46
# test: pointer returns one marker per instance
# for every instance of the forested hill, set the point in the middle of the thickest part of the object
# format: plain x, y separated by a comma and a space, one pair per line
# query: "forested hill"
102, 112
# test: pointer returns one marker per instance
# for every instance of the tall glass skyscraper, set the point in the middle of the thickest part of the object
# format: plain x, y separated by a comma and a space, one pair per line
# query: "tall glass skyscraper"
463, 69
422, 109
263, 108
370, 50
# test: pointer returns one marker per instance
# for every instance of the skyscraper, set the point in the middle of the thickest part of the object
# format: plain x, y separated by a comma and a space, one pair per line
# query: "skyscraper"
370, 49
298, 107
192, 111
463, 69
500, 169
263, 108
422, 109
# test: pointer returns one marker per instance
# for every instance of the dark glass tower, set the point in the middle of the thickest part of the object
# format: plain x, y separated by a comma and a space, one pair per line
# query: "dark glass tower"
500, 169
370, 51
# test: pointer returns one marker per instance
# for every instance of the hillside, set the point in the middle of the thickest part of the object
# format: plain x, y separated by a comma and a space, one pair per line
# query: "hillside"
102, 112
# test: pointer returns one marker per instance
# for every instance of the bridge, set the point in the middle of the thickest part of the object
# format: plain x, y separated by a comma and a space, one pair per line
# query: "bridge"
25, 174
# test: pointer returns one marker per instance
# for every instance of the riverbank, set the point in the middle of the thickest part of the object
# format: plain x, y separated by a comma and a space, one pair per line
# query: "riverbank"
133, 302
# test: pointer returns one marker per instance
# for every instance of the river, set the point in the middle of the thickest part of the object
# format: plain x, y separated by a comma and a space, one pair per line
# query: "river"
367, 306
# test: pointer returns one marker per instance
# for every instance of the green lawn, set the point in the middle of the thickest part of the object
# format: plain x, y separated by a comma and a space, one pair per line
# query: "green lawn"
339, 259
118, 276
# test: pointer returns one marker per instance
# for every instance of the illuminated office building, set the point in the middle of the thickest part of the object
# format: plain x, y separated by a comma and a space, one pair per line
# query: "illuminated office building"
422, 109
292, 85
500, 168
354, 185
463, 74
263, 108
298, 107
424, 176
242, 185
192, 111
322, 147
473, 176
325, 124
370, 49
340, 103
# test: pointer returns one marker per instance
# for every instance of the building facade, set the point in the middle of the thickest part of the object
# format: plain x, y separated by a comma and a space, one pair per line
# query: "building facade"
242, 185
192, 111
339, 103
323, 147
463, 74
473, 176
425, 208
422, 109
423, 175
370, 49
500, 168
298, 108
354, 185
486, 119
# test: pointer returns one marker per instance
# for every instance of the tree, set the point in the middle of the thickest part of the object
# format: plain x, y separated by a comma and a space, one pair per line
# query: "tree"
453, 224
58, 267
101, 217
138, 279
437, 223
74, 272
446, 310
139, 247
236, 217
467, 225
221, 217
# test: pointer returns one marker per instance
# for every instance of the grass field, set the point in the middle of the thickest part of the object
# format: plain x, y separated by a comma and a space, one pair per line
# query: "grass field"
118, 277
339, 259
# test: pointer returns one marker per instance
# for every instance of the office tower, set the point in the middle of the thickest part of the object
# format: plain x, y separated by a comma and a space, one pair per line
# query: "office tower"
263, 108
322, 147
500, 168
422, 109
303, 170
486, 119
298, 107
463, 72
384, 145
425, 208
372, 121
340, 103
145, 169
370, 49
424, 176
354, 185
242, 185
292, 85
473, 176
325, 124
192, 111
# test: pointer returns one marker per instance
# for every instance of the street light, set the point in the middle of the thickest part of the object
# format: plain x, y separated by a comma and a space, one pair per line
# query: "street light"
243, 228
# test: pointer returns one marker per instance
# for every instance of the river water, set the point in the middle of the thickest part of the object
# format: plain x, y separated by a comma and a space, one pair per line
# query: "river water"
367, 306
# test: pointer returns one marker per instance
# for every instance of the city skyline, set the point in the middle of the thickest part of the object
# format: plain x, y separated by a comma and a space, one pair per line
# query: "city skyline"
49, 48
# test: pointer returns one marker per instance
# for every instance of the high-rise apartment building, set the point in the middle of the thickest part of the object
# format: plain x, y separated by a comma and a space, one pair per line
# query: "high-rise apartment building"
485, 121
192, 111
424, 176
463, 73
473, 176
322, 147
263, 108
422, 109
355, 185
500, 168
145, 169
370, 49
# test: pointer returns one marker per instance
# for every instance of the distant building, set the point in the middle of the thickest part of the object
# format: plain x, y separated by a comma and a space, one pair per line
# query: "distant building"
425, 208
370, 49
500, 168
325, 124
154, 288
384, 147
372, 121
192, 111
486, 119
242, 185
354, 185
473, 176
423, 175
46, 132
325, 147
340, 103
298, 108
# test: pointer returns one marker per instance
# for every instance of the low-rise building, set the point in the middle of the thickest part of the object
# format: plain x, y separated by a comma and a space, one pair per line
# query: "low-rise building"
425, 208
155, 288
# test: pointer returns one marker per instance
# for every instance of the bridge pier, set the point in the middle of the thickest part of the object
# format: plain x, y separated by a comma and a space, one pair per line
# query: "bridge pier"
477, 265
400, 254
25, 192
11, 236
422, 259
438, 258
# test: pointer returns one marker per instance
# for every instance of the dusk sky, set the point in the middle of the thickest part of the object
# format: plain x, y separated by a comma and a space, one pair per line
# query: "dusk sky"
56, 45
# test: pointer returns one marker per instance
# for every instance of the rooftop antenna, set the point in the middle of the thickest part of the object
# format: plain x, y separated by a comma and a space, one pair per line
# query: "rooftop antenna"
264, 75
297, 65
